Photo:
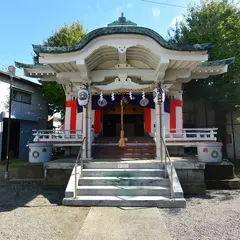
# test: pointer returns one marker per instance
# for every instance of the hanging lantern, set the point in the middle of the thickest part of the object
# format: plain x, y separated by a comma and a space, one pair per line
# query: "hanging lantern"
83, 96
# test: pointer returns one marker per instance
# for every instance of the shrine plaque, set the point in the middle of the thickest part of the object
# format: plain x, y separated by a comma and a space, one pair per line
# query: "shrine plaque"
123, 165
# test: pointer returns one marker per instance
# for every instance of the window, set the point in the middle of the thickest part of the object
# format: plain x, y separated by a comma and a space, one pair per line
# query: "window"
21, 96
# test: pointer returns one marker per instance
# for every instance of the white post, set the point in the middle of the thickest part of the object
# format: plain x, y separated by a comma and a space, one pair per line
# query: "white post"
163, 131
158, 140
84, 132
89, 145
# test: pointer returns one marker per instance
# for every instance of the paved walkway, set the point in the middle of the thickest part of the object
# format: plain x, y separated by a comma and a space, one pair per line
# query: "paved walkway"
124, 224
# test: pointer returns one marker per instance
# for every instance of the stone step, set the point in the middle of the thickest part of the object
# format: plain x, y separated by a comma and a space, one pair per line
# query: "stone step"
100, 156
131, 153
126, 201
128, 140
124, 181
125, 149
120, 156
124, 164
123, 172
124, 191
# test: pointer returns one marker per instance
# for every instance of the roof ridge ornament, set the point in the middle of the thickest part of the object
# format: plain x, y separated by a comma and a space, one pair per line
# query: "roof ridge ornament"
122, 21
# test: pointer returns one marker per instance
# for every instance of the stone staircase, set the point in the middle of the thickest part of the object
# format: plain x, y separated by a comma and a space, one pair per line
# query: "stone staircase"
137, 148
135, 183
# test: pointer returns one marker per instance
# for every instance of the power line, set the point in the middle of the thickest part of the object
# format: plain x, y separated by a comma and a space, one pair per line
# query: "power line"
161, 3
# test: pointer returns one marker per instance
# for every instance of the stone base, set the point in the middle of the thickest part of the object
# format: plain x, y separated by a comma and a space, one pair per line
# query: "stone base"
30, 171
193, 188
57, 177
221, 176
227, 184
219, 171
191, 176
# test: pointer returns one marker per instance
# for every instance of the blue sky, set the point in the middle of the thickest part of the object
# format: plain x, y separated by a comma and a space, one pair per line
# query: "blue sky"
27, 22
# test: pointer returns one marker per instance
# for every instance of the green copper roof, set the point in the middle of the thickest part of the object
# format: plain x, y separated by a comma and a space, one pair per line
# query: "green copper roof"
122, 30
32, 66
222, 62
122, 21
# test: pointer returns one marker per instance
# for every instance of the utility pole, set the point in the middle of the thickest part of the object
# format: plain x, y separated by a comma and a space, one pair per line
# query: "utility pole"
11, 71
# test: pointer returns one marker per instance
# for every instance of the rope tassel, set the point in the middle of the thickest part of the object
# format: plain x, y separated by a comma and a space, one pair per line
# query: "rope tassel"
122, 142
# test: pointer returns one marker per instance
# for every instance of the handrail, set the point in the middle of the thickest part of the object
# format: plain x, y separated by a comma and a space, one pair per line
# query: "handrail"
171, 165
79, 156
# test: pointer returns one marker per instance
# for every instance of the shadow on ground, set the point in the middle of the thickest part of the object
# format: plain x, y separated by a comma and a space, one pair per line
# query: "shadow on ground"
13, 196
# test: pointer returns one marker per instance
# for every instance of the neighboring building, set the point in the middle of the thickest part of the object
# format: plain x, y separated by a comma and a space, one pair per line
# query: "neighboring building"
29, 111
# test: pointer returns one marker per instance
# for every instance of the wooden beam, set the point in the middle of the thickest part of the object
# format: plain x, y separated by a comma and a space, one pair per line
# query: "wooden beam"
122, 54
100, 75
161, 68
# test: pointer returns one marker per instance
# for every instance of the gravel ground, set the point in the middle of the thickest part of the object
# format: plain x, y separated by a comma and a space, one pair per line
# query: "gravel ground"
29, 212
215, 216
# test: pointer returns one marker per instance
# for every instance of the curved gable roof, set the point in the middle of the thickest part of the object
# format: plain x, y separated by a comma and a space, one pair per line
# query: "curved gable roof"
122, 30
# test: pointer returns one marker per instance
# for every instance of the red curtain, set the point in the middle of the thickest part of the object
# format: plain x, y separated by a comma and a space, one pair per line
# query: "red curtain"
173, 119
147, 119
97, 120
73, 116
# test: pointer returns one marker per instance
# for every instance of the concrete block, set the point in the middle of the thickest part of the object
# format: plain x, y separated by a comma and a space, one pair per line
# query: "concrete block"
188, 164
227, 184
219, 171
30, 171
194, 188
126, 201
57, 177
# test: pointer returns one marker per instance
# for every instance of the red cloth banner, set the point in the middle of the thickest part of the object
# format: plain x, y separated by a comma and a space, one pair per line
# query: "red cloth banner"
147, 120
173, 118
97, 121
73, 116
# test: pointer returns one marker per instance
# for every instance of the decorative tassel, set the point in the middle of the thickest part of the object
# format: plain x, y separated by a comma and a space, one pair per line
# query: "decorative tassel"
112, 96
101, 97
130, 96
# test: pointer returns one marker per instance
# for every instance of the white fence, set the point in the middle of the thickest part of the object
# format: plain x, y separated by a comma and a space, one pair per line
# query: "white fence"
184, 137
190, 136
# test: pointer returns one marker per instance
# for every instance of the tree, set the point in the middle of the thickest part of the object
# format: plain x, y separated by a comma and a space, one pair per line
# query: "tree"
217, 22
65, 36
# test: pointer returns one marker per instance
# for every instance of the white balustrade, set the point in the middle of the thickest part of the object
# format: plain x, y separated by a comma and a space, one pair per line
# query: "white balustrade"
189, 136
179, 137
58, 136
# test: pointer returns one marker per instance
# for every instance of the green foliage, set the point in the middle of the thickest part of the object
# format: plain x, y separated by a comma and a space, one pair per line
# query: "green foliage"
65, 36
54, 95
217, 22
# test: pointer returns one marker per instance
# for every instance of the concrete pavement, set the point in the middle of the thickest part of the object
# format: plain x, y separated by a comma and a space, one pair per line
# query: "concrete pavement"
124, 224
